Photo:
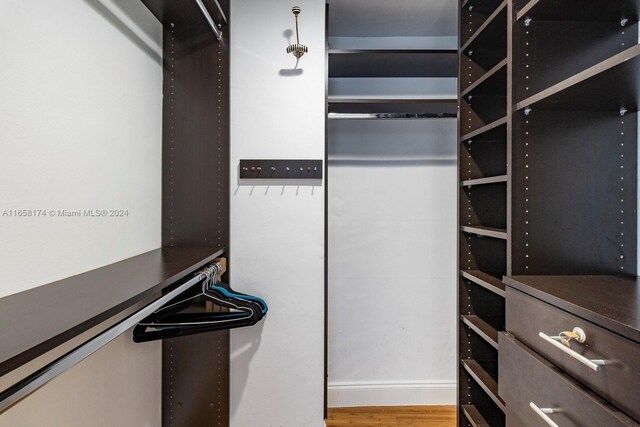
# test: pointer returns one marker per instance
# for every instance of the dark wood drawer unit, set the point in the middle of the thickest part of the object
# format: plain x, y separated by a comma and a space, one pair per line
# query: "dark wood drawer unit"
607, 362
531, 386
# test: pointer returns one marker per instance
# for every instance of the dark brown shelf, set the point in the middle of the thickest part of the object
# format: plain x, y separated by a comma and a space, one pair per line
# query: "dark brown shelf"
493, 80
47, 316
486, 128
609, 301
482, 328
393, 63
485, 280
593, 11
607, 86
483, 181
474, 417
491, 32
478, 230
484, 380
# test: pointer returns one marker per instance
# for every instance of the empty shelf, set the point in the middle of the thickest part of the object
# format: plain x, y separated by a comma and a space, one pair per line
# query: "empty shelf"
484, 380
393, 104
393, 63
474, 417
595, 11
497, 233
103, 293
608, 86
486, 128
482, 328
493, 80
485, 280
491, 32
482, 181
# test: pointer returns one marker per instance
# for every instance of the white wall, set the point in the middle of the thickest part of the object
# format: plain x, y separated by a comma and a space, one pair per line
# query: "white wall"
81, 113
392, 257
277, 231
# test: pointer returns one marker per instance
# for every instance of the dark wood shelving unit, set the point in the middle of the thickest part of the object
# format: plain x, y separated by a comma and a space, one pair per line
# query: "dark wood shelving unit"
484, 194
551, 178
347, 63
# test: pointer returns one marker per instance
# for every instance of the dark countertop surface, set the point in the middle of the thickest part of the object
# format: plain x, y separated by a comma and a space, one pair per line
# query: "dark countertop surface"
609, 301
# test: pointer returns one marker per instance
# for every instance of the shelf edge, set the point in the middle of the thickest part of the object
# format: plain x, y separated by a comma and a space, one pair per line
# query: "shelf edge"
486, 128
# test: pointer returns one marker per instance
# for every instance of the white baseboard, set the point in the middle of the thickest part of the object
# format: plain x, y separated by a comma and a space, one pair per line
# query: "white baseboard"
391, 393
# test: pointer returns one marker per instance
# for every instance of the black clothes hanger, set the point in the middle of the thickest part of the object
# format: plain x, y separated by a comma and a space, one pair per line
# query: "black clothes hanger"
178, 318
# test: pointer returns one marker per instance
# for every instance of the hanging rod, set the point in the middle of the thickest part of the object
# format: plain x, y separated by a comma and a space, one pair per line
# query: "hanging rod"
31, 383
390, 116
210, 20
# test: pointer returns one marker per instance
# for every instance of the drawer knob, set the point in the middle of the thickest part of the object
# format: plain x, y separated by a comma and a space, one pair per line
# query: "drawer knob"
556, 341
543, 413
577, 334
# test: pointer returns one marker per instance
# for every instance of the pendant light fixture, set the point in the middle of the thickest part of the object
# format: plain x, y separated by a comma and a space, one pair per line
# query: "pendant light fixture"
297, 49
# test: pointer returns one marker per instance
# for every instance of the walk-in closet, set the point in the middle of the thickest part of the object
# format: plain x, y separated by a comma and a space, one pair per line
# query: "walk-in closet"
320, 213
391, 185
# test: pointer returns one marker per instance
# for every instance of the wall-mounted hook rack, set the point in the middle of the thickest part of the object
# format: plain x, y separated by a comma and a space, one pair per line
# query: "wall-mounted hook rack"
280, 169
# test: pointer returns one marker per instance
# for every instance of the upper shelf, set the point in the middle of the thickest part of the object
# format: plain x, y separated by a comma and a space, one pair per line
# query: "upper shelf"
38, 320
446, 105
393, 63
608, 86
595, 11
492, 33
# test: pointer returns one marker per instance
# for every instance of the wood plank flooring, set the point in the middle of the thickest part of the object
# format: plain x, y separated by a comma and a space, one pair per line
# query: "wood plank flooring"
393, 416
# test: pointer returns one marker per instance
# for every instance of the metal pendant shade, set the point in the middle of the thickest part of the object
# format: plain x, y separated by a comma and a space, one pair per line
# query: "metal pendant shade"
297, 49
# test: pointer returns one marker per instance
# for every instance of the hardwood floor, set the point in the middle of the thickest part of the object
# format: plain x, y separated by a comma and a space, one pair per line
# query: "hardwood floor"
393, 416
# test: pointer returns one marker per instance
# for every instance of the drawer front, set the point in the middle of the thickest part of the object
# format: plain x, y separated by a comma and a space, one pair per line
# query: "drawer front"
617, 381
525, 378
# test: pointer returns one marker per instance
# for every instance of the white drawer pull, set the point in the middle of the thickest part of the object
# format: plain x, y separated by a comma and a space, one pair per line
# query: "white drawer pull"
593, 364
542, 412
